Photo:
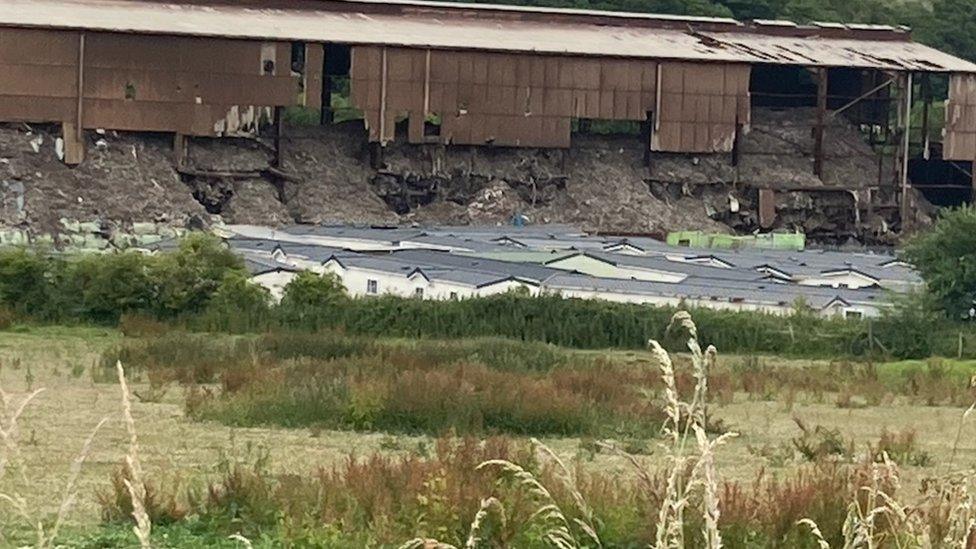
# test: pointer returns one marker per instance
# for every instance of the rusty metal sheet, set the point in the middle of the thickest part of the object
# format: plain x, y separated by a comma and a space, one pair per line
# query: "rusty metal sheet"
38, 47
445, 28
960, 128
502, 70
767, 208
32, 109
443, 67
314, 65
38, 81
141, 83
366, 63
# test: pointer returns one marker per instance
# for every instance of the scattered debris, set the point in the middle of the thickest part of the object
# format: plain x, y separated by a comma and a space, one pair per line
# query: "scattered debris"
602, 183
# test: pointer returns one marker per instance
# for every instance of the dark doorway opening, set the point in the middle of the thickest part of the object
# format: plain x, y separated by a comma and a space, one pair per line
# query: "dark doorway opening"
335, 83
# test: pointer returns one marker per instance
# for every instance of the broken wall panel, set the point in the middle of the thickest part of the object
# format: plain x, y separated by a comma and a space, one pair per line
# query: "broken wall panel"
313, 77
498, 98
485, 97
195, 86
700, 106
960, 130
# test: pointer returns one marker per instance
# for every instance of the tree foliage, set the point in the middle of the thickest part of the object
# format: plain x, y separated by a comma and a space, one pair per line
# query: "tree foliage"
47, 286
945, 256
311, 300
188, 277
238, 305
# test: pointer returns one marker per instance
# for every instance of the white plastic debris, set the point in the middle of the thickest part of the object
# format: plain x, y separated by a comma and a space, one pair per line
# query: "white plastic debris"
733, 204
36, 143
101, 144
59, 148
100, 131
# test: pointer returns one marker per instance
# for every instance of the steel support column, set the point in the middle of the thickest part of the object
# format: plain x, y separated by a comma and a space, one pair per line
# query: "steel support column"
818, 136
906, 145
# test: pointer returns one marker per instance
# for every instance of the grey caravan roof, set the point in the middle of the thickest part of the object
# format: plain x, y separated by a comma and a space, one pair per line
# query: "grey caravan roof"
246, 243
256, 265
525, 271
661, 264
772, 294
455, 243
391, 265
381, 234
310, 251
815, 262
488, 232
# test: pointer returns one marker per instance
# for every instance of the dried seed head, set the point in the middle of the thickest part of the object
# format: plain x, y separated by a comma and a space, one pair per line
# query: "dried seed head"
682, 322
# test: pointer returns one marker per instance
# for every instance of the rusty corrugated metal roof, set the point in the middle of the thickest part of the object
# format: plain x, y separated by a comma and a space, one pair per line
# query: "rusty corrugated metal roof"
347, 23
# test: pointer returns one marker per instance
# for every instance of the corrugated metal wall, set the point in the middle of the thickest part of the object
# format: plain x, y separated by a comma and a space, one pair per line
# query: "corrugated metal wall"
960, 129
195, 86
700, 107
530, 100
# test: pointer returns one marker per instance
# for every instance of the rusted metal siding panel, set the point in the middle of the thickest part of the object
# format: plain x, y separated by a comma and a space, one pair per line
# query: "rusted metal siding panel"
38, 47
314, 65
503, 99
700, 107
34, 109
140, 83
767, 208
443, 28
39, 79
960, 130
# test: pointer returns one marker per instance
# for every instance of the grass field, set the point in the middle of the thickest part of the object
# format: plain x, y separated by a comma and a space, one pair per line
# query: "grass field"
190, 452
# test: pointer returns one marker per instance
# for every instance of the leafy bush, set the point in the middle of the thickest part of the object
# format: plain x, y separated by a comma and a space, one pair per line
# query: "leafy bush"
400, 393
312, 301
142, 325
945, 256
27, 282
914, 327
238, 305
101, 288
320, 345
190, 276
40, 285
379, 501
335, 381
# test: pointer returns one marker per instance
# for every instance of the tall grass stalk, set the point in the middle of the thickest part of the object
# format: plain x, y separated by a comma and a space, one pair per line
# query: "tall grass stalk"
490, 507
70, 494
946, 516
9, 431
687, 421
136, 486
557, 531
45, 536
